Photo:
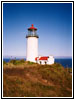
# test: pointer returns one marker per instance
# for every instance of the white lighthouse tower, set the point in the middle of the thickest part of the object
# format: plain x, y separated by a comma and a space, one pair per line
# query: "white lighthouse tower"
32, 44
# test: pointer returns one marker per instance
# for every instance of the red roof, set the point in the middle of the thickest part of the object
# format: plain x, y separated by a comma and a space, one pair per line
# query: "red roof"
42, 58
32, 27
36, 58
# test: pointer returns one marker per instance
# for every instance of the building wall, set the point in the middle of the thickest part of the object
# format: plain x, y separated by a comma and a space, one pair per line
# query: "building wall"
32, 49
42, 62
49, 61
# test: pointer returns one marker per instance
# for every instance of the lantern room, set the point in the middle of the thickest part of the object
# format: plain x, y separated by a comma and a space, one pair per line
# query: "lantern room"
32, 32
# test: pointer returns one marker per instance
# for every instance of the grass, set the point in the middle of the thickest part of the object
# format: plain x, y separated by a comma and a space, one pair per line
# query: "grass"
27, 79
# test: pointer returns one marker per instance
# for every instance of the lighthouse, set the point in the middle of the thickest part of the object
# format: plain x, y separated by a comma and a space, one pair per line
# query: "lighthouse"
32, 44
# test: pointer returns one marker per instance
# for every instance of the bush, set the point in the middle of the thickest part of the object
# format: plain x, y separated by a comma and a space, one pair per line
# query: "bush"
4, 62
22, 61
15, 62
30, 62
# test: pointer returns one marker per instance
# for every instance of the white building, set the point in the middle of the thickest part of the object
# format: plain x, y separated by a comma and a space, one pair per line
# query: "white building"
32, 44
45, 60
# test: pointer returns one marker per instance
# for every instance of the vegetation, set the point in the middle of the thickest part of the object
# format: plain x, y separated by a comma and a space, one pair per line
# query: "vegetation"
15, 62
27, 79
4, 62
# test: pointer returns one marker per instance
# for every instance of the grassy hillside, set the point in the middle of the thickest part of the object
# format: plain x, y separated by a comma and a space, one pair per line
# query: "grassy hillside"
27, 79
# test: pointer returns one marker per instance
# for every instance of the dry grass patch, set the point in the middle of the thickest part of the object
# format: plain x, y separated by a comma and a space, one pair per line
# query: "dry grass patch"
33, 80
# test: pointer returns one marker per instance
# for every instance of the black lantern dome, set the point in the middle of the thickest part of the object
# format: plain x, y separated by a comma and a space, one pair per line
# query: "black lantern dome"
32, 32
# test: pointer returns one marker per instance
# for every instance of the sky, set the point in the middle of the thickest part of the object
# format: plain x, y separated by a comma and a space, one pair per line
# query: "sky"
54, 24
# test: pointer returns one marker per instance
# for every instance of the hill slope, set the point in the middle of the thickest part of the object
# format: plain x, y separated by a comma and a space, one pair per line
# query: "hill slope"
33, 80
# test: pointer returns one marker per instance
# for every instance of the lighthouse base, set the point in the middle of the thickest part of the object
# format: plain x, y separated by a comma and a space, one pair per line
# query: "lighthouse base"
32, 49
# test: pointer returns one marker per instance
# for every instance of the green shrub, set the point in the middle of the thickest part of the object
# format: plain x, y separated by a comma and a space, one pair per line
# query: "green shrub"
70, 70
22, 61
4, 62
30, 62
15, 62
